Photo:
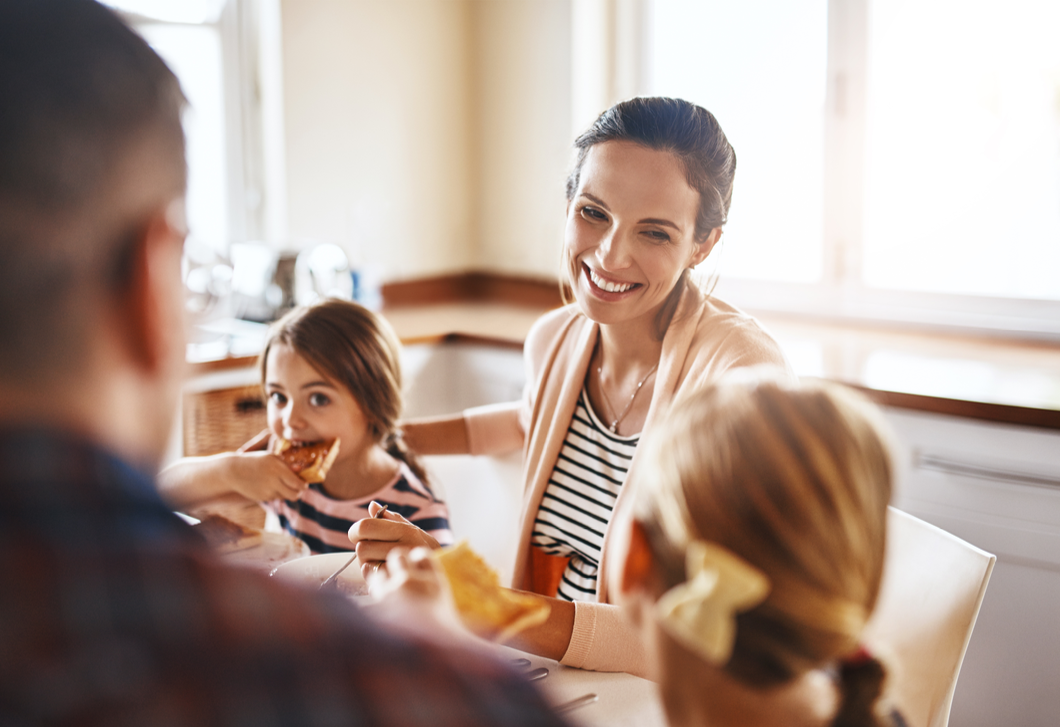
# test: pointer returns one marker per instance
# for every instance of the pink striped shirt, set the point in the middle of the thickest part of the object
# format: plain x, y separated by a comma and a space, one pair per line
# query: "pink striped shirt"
323, 521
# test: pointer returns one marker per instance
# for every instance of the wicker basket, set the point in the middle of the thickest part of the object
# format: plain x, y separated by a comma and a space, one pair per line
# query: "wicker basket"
222, 420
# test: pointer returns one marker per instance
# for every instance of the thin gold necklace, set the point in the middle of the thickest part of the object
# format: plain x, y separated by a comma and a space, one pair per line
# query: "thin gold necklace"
600, 376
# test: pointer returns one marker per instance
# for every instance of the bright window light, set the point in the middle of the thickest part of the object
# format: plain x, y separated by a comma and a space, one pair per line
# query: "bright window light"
172, 11
193, 52
759, 66
962, 180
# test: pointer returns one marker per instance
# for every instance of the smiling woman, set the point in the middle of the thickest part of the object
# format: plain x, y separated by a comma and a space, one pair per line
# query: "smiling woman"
647, 199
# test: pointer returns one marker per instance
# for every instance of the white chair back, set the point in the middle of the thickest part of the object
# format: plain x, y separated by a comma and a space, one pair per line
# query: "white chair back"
933, 586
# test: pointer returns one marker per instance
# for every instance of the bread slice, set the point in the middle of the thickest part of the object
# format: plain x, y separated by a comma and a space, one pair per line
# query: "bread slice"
487, 609
312, 461
225, 536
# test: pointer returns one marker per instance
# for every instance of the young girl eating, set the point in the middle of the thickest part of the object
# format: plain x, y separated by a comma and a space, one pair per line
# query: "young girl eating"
330, 371
755, 554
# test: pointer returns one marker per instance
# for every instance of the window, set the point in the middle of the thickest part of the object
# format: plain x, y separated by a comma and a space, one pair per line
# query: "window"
226, 54
897, 160
188, 36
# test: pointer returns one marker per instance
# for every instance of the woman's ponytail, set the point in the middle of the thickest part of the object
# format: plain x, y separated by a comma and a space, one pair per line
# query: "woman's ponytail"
860, 686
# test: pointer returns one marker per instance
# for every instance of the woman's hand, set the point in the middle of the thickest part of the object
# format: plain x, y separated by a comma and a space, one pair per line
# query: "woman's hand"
374, 537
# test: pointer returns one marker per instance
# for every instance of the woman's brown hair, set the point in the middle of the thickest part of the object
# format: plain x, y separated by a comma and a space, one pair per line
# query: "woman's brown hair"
795, 480
358, 349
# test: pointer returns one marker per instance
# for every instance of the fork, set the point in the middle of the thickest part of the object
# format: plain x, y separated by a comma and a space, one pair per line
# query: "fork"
330, 580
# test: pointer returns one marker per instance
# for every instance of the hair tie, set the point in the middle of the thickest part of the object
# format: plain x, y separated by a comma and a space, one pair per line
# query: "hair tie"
701, 612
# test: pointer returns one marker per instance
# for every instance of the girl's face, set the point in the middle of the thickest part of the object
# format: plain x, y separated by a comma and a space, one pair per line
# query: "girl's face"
630, 231
306, 406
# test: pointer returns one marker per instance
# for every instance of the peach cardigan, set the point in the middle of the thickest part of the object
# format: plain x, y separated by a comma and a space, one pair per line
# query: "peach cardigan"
706, 338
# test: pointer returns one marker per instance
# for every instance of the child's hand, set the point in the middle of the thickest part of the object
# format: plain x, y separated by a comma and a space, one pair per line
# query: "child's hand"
413, 592
374, 537
261, 476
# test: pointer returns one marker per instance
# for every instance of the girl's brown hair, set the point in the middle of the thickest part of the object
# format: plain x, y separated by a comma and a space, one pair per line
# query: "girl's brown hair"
794, 479
358, 349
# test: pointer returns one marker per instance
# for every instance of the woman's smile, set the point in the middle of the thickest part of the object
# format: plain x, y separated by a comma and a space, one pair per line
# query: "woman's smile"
605, 285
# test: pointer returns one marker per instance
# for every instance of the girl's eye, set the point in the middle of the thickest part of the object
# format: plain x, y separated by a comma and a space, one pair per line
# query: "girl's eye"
318, 399
277, 398
657, 236
594, 214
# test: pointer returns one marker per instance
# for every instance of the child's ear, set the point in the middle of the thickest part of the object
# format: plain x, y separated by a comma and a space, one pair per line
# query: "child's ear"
638, 569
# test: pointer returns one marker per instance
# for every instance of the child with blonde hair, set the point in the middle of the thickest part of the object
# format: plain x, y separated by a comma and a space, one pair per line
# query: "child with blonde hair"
755, 556
751, 559
329, 371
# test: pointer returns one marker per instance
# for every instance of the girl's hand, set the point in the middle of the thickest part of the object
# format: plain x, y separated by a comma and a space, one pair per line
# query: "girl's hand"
374, 537
261, 476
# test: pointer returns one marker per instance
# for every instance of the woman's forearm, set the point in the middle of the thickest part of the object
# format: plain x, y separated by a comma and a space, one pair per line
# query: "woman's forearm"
587, 636
437, 435
551, 638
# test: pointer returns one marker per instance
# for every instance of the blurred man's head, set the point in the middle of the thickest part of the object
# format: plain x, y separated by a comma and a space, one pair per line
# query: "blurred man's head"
92, 179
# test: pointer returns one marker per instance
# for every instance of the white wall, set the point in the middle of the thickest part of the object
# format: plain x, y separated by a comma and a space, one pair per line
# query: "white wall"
523, 133
429, 136
377, 115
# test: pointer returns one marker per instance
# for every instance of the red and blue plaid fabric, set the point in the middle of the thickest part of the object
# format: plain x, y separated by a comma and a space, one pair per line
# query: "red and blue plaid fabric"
112, 612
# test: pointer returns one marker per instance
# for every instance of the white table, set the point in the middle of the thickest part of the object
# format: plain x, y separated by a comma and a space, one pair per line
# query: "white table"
623, 698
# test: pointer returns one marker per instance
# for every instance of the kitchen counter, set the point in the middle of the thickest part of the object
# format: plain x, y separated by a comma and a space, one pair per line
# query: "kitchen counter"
980, 378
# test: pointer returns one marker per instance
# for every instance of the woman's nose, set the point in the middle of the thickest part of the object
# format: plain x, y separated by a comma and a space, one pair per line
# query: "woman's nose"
613, 251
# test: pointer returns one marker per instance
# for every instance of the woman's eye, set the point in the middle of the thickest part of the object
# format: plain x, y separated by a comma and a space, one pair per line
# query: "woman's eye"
657, 236
318, 400
593, 214
277, 398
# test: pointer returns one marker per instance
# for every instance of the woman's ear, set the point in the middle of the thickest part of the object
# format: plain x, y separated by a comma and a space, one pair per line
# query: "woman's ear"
703, 249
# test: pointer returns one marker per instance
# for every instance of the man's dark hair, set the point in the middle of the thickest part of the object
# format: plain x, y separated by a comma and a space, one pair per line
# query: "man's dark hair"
88, 111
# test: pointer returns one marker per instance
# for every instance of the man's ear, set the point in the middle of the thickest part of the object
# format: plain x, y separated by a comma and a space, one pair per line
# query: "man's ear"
703, 249
638, 570
153, 299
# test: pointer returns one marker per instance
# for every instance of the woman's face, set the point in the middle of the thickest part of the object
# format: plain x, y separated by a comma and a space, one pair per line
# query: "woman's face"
631, 231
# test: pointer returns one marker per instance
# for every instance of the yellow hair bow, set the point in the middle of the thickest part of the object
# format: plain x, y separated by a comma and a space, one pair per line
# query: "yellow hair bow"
701, 612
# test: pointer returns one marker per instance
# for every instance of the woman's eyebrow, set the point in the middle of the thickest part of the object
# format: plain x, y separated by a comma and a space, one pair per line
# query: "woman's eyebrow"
597, 200
311, 384
660, 222
647, 221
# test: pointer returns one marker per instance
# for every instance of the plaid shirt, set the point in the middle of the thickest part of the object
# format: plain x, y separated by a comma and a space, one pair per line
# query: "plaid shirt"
112, 612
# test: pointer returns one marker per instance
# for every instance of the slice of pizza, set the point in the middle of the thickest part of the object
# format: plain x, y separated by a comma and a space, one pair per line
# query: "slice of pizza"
225, 536
309, 461
486, 608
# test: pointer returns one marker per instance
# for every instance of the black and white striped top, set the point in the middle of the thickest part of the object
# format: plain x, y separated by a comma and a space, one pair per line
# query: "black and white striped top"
580, 497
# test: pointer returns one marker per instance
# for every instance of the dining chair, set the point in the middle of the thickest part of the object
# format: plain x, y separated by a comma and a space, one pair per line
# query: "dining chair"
933, 586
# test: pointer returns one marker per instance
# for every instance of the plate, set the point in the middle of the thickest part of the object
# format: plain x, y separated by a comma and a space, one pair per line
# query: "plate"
315, 569
273, 550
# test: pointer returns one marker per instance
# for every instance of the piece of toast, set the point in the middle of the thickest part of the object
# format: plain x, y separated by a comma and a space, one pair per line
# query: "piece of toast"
226, 536
310, 462
487, 609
